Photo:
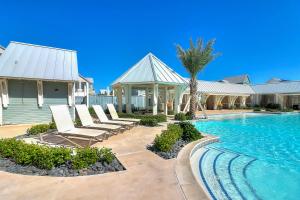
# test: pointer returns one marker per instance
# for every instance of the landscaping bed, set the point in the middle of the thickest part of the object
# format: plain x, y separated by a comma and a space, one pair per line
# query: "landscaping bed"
31, 159
168, 144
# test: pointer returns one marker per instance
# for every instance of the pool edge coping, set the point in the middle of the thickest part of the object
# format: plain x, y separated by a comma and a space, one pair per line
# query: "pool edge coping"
191, 186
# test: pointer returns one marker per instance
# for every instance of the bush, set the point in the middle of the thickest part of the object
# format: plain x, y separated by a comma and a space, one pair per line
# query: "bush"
274, 106
159, 118
165, 141
92, 112
170, 112
149, 122
44, 157
106, 155
190, 133
256, 109
189, 115
180, 117
84, 158
36, 129
78, 122
52, 125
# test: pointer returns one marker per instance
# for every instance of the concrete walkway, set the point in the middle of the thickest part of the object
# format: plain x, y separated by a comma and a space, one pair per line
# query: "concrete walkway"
147, 176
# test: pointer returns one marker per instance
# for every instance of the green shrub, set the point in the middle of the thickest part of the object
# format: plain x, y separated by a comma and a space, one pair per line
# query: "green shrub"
274, 106
84, 157
36, 129
189, 115
170, 112
77, 122
106, 155
190, 133
52, 125
165, 141
287, 110
256, 109
180, 117
149, 122
159, 118
44, 157
92, 112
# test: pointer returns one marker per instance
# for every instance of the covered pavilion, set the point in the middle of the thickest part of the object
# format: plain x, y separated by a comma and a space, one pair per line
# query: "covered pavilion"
163, 87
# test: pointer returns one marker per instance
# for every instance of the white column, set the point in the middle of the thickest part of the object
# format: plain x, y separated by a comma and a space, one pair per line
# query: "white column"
87, 94
147, 99
119, 99
40, 93
128, 98
243, 101
1, 112
177, 99
155, 99
166, 101
4, 92
71, 91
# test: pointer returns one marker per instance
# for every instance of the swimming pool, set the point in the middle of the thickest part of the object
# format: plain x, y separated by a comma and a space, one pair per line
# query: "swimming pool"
258, 157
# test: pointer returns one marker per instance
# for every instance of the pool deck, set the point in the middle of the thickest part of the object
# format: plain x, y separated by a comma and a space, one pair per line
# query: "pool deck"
147, 176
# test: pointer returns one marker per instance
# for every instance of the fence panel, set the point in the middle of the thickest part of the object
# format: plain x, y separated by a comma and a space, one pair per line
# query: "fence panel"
137, 101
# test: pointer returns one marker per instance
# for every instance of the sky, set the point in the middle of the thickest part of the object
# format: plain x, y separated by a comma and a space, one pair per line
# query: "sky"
260, 38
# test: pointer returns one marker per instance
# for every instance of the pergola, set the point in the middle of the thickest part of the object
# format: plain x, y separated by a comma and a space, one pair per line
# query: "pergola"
163, 87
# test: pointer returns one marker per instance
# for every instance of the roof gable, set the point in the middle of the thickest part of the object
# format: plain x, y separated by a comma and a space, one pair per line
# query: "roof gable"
150, 69
241, 79
21, 60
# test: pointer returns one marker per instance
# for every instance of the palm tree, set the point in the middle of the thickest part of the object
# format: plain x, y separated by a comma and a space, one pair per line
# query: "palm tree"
194, 60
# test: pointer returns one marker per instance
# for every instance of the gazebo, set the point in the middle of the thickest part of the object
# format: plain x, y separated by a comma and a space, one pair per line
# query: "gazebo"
163, 87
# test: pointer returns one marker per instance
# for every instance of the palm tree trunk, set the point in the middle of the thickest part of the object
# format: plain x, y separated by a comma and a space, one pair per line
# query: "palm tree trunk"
193, 93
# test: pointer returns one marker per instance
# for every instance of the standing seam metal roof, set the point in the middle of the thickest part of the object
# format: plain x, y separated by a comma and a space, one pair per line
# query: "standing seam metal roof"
223, 88
285, 87
150, 70
21, 60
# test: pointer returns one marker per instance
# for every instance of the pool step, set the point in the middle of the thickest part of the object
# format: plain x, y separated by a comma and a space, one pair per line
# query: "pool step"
223, 174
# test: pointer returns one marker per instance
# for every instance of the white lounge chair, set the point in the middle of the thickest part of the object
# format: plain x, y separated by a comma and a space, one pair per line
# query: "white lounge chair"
87, 120
114, 115
66, 127
103, 118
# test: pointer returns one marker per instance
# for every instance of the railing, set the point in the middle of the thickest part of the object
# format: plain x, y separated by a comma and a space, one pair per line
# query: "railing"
138, 102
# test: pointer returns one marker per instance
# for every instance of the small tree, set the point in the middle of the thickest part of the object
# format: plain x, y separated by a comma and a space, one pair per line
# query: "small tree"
194, 60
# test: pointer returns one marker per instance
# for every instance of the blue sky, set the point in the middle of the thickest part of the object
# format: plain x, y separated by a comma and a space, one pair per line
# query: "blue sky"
255, 37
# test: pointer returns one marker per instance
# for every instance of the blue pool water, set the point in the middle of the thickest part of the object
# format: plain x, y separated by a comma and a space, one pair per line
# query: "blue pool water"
258, 157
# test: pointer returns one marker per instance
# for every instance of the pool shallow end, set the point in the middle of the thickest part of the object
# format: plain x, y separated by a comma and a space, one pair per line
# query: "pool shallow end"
190, 185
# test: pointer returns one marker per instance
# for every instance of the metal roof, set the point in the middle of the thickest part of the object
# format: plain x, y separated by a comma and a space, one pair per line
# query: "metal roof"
286, 87
150, 69
223, 88
21, 60
241, 79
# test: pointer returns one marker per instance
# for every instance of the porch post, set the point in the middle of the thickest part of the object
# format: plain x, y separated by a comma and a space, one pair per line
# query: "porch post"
166, 101
128, 98
155, 99
177, 99
119, 99
243, 101
147, 99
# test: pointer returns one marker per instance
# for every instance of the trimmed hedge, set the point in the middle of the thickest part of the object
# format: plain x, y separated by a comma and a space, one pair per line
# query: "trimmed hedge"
149, 122
190, 133
180, 117
165, 141
36, 129
44, 157
41, 128
159, 118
